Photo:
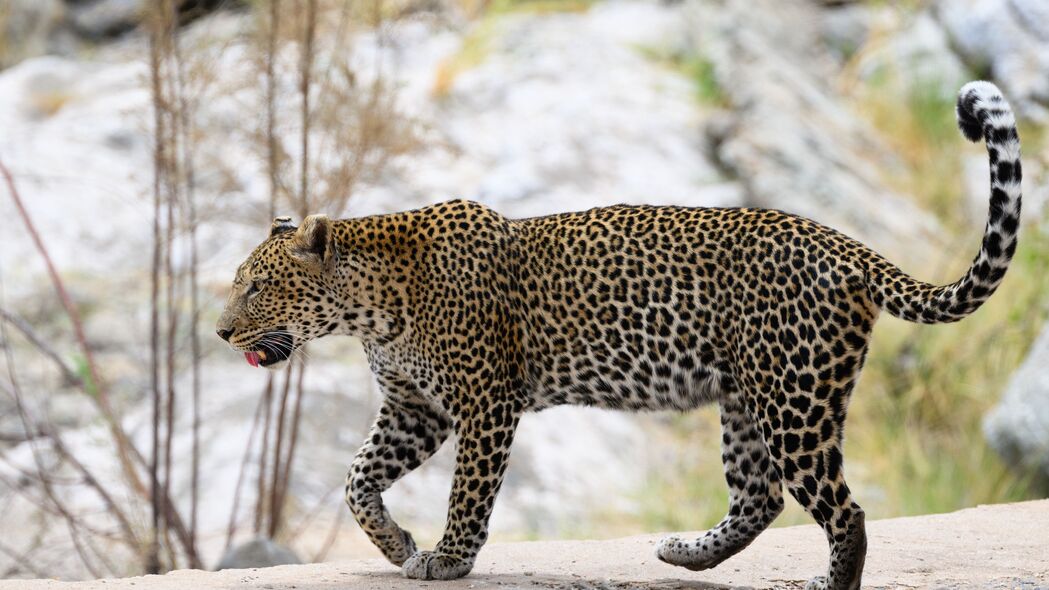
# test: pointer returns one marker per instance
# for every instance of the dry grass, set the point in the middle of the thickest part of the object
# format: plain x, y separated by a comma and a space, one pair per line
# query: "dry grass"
475, 47
917, 120
474, 8
349, 113
926, 389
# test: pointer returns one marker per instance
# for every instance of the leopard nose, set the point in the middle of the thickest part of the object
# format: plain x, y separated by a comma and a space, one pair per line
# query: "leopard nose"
224, 334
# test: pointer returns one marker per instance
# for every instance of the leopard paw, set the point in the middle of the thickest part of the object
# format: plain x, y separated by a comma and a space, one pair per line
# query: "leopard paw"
675, 551
430, 565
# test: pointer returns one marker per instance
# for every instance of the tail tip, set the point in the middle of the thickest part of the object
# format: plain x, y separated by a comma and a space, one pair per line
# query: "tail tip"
969, 112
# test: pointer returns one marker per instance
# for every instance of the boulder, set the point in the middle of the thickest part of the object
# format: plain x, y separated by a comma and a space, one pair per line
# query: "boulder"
790, 137
29, 28
102, 19
1008, 39
258, 552
1018, 427
567, 111
917, 54
844, 29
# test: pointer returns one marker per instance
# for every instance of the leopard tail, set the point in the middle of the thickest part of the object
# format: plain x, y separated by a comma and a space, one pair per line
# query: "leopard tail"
983, 113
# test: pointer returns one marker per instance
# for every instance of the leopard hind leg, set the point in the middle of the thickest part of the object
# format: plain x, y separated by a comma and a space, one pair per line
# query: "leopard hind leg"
755, 494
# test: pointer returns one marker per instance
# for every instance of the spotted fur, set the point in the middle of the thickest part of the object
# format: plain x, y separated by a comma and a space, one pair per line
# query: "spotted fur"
470, 319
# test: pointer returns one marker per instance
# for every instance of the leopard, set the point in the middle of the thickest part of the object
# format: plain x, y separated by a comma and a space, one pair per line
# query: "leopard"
469, 319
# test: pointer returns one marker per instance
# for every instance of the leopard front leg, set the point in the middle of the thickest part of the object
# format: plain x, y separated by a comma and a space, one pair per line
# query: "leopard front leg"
482, 453
404, 435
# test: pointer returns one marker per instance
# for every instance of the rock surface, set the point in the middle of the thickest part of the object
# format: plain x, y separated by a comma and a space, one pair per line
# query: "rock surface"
562, 111
29, 28
789, 138
1018, 427
100, 19
916, 54
1008, 38
1001, 546
258, 552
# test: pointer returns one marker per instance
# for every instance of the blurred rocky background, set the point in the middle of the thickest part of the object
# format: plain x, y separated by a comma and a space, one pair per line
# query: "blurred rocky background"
151, 142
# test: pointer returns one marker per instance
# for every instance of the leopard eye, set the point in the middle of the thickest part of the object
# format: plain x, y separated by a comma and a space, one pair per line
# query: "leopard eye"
255, 286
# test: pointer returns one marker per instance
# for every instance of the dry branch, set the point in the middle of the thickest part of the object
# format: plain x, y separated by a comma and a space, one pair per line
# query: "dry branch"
17, 322
101, 393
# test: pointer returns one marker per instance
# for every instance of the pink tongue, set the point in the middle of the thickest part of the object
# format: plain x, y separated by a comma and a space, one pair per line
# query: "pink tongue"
253, 358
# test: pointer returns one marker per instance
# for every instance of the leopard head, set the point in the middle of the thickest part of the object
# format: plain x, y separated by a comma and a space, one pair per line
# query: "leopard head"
284, 294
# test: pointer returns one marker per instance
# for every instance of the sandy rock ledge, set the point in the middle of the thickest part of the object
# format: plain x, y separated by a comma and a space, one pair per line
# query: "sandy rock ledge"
1000, 546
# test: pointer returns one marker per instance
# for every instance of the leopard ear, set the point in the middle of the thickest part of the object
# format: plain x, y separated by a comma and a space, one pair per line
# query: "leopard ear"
312, 242
281, 225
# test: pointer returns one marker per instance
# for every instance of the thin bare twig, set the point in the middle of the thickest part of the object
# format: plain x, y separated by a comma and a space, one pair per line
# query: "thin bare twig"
170, 130
275, 499
296, 419
17, 322
43, 470
130, 538
314, 512
305, 83
273, 164
21, 560
152, 560
101, 393
231, 528
194, 305
261, 495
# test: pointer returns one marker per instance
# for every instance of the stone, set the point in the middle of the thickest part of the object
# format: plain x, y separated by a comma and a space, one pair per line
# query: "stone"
259, 552
846, 28
106, 18
566, 111
1009, 39
29, 28
1018, 427
917, 55
790, 138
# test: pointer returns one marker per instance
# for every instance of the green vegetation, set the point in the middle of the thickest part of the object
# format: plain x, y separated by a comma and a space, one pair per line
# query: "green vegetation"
697, 68
472, 52
476, 45
83, 371
925, 392
538, 6
917, 121
701, 71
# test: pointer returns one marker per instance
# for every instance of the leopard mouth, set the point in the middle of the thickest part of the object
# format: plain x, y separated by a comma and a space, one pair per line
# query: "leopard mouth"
271, 348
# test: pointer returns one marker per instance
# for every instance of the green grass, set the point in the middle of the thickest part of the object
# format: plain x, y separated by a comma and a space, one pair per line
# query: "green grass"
701, 72
917, 121
697, 68
915, 429
475, 48
477, 44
